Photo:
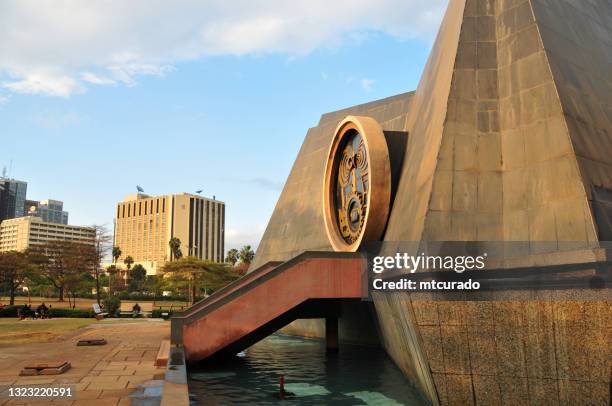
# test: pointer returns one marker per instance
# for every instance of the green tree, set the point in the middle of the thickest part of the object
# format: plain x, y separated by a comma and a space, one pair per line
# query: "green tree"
66, 261
137, 277
78, 283
15, 268
154, 284
128, 261
138, 272
104, 278
38, 284
116, 254
113, 283
232, 256
198, 275
175, 248
246, 254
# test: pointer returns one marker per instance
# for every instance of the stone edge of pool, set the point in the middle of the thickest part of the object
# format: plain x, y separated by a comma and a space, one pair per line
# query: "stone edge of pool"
175, 391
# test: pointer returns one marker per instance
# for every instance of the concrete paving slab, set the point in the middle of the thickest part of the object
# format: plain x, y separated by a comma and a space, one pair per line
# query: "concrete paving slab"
102, 375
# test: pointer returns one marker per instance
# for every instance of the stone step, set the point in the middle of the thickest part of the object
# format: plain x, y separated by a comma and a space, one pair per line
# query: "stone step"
161, 360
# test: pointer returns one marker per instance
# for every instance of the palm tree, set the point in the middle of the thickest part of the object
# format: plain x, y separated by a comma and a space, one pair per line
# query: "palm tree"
232, 256
116, 254
175, 248
111, 270
128, 261
246, 254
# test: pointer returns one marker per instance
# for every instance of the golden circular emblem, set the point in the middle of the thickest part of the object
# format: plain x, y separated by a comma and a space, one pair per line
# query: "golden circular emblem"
357, 184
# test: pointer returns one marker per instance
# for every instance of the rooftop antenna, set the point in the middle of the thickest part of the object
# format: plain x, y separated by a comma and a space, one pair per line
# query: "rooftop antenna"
4, 171
139, 189
198, 191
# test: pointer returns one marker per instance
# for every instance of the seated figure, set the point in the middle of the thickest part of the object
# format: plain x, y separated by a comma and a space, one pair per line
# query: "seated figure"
136, 310
26, 311
43, 311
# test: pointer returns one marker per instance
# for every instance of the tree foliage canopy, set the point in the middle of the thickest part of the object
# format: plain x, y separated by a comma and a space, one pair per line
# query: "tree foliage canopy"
128, 261
175, 248
246, 254
66, 263
15, 269
200, 275
232, 256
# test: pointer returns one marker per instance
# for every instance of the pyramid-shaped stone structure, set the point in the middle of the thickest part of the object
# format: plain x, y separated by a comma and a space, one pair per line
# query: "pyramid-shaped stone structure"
508, 137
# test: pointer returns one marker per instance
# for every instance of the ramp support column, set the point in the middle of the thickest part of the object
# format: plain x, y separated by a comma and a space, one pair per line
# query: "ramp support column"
331, 334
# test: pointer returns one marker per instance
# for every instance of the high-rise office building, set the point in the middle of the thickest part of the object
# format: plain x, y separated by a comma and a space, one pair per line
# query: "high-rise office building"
48, 210
144, 226
12, 198
25, 232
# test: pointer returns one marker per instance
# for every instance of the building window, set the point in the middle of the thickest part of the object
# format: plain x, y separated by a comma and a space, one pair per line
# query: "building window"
207, 229
190, 243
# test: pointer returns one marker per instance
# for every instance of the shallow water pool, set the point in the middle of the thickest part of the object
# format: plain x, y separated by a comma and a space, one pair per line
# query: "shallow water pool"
355, 376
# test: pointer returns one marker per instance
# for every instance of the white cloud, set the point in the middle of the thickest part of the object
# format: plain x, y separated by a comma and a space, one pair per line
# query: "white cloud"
45, 84
59, 48
96, 79
4, 99
366, 84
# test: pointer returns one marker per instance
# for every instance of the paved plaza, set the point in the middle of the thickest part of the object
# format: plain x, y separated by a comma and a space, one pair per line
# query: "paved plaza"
119, 373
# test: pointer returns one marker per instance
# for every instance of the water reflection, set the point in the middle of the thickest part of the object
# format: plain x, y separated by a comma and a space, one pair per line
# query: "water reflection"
356, 376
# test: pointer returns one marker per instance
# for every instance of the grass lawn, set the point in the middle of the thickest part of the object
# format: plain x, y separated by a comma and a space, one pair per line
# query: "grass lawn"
13, 331
86, 303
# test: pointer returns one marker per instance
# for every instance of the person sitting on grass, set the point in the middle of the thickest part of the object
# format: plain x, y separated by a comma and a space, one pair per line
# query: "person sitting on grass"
43, 311
136, 310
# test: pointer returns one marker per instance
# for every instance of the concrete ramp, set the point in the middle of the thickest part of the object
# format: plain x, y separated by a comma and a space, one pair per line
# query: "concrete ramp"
311, 285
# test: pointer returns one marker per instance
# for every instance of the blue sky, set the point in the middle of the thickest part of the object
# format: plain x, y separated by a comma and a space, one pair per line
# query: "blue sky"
85, 127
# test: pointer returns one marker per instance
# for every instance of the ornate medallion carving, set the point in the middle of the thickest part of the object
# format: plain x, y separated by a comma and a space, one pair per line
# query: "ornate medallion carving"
357, 183
352, 190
